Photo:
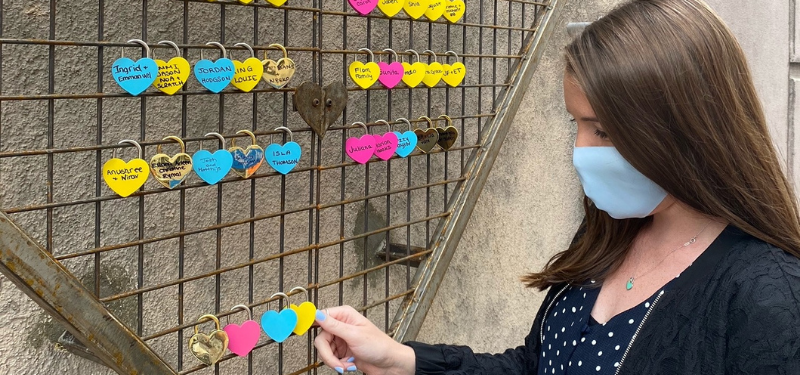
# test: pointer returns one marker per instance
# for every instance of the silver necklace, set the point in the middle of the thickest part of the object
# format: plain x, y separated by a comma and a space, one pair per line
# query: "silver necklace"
692, 240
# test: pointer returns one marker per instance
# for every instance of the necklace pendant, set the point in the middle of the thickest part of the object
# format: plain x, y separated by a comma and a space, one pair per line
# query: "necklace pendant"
629, 285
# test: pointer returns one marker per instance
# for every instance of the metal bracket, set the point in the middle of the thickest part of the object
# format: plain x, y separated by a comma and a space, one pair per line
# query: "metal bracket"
320, 106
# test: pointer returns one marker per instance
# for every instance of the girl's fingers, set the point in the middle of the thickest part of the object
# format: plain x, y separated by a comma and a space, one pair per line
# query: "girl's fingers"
323, 344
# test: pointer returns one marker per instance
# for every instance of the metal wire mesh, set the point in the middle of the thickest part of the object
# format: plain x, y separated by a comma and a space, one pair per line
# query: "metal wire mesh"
349, 233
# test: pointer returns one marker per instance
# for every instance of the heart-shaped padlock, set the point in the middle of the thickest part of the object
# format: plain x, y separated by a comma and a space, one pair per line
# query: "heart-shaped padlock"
453, 74
416, 8
212, 168
279, 325
243, 338
210, 348
414, 73
454, 10
247, 74
172, 74
125, 178
435, 10
283, 158
406, 141
278, 73
433, 73
215, 75
363, 7
365, 75
390, 7
391, 73
360, 149
320, 106
246, 161
447, 135
171, 171
426, 138
385, 144
135, 76
306, 313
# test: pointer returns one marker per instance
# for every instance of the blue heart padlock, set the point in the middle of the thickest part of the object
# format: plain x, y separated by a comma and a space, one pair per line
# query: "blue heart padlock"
279, 326
283, 158
405, 143
212, 168
216, 75
134, 76
247, 162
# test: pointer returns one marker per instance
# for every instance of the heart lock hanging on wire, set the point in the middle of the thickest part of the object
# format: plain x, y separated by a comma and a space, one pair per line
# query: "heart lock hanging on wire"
246, 161
306, 313
416, 8
247, 74
406, 141
124, 178
454, 10
279, 325
435, 10
360, 149
212, 168
426, 138
453, 74
390, 7
283, 158
210, 348
385, 144
171, 171
135, 76
278, 73
433, 74
391, 73
276, 3
364, 75
447, 135
172, 74
363, 7
243, 338
215, 75
414, 73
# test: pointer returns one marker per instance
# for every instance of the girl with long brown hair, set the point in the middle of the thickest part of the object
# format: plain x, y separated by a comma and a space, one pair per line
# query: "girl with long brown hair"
687, 260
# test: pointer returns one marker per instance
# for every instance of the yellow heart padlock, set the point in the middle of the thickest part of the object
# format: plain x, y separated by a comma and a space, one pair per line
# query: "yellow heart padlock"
390, 7
416, 8
453, 74
454, 10
433, 73
414, 73
278, 73
171, 171
277, 3
172, 74
365, 75
435, 10
306, 313
247, 73
210, 348
245, 2
125, 178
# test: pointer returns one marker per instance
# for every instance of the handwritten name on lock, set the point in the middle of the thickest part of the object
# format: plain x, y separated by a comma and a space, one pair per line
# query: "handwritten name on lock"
171, 171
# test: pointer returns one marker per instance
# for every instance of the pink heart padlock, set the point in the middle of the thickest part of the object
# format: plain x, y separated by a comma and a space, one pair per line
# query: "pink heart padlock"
391, 74
360, 149
386, 144
243, 338
363, 7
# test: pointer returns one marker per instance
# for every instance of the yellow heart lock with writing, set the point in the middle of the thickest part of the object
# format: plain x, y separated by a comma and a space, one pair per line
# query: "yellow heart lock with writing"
454, 10
414, 73
390, 7
247, 74
416, 8
365, 75
433, 74
435, 9
125, 178
453, 74
278, 73
171, 171
172, 74
210, 348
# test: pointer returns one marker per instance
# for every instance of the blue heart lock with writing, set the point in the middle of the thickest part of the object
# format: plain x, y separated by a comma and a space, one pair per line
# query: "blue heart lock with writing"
216, 75
279, 326
212, 168
405, 143
283, 158
134, 76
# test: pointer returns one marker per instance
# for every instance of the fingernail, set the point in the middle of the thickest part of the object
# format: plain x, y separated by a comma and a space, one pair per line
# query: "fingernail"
339, 370
351, 359
351, 368
321, 317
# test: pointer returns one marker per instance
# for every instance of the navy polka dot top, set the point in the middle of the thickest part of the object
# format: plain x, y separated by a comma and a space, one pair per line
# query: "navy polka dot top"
575, 344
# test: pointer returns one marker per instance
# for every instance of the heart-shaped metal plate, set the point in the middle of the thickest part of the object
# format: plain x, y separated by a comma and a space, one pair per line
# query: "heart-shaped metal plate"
209, 348
320, 107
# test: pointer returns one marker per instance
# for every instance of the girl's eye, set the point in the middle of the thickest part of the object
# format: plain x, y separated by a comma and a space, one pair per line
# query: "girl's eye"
601, 134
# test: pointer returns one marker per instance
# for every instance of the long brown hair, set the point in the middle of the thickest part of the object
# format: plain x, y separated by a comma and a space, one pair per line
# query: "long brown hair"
670, 85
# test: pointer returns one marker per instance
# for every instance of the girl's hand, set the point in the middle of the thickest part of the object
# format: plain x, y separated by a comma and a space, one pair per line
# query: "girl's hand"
349, 341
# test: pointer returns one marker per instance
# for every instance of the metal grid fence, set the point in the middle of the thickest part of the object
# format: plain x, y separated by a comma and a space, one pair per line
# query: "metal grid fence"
353, 234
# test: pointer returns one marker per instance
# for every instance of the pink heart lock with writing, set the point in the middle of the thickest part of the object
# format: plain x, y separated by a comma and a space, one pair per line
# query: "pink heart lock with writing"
363, 7
391, 73
360, 149
386, 144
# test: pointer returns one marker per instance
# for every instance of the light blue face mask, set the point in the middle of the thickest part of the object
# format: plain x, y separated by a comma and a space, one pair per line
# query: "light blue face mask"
614, 185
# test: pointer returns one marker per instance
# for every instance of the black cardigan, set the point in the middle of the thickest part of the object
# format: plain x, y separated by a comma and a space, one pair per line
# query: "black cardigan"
736, 310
